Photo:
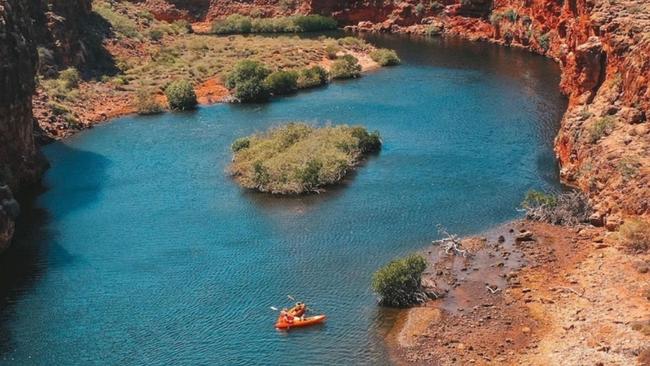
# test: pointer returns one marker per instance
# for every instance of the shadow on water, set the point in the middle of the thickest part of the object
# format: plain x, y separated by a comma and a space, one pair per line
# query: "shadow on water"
35, 247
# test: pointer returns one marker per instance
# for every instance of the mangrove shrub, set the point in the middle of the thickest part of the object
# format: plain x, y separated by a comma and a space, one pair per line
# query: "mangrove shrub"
298, 158
180, 95
281, 82
247, 81
346, 67
385, 57
398, 283
312, 77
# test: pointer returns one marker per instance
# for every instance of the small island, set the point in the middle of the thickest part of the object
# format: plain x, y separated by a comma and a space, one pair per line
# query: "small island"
300, 158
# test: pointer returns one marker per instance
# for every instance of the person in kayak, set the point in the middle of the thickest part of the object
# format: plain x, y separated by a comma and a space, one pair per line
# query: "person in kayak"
286, 316
298, 310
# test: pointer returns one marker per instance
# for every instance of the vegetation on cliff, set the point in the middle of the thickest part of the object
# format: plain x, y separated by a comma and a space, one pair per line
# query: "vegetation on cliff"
240, 24
399, 283
298, 158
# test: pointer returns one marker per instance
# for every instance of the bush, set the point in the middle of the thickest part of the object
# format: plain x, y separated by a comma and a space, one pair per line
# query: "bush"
240, 144
180, 95
433, 30
146, 103
332, 50
635, 235
233, 24
368, 142
346, 67
182, 26
312, 77
314, 23
570, 208
545, 41
398, 283
247, 81
511, 15
240, 24
385, 57
419, 9
298, 158
156, 34
601, 128
353, 43
281, 82
70, 78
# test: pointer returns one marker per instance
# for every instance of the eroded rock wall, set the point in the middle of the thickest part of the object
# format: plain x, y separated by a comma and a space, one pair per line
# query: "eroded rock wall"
19, 159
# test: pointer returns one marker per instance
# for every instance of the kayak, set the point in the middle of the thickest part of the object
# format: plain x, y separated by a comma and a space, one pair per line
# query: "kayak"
298, 322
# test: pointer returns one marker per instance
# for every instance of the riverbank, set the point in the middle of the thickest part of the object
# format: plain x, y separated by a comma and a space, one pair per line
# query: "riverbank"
562, 296
143, 55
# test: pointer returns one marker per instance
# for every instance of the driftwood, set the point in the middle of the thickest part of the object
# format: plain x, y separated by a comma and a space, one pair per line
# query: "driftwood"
451, 243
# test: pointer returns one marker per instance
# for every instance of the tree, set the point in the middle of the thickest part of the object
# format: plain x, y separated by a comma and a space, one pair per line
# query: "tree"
346, 67
398, 283
181, 96
247, 81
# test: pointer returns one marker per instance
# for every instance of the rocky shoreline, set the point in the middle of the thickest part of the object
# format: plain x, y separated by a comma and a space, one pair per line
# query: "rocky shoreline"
530, 293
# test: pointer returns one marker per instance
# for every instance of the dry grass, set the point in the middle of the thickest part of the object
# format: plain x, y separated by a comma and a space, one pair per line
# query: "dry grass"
635, 235
298, 157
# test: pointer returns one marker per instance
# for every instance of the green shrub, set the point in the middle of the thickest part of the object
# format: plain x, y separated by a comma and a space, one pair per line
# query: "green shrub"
121, 24
146, 103
233, 24
314, 23
436, 6
182, 26
332, 50
70, 78
433, 30
281, 82
312, 77
368, 141
240, 144
545, 41
298, 158
156, 34
634, 234
419, 9
385, 57
247, 81
537, 198
240, 24
398, 283
353, 43
180, 95
495, 18
601, 128
511, 15
346, 67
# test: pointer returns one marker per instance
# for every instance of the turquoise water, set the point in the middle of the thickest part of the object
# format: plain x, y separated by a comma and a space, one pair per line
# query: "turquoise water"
143, 251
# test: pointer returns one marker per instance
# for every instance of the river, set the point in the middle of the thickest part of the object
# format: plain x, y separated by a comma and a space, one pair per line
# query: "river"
143, 250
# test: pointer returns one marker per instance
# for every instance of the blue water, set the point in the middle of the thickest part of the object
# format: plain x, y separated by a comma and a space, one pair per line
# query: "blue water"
143, 250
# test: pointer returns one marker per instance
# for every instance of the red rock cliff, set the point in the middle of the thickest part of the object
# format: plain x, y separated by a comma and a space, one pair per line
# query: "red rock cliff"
23, 26
18, 154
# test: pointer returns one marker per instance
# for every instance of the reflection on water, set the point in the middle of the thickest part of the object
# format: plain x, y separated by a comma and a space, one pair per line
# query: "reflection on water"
144, 251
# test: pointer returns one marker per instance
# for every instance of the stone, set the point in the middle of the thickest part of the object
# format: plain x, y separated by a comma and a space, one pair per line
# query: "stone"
524, 236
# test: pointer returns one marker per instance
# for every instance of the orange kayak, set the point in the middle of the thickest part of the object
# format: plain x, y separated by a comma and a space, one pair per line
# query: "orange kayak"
297, 322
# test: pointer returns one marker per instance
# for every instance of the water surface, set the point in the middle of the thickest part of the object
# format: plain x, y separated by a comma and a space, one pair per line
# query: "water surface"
144, 251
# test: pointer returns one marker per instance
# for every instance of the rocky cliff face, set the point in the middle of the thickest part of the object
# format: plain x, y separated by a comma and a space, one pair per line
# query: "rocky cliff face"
53, 26
603, 48
19, 159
